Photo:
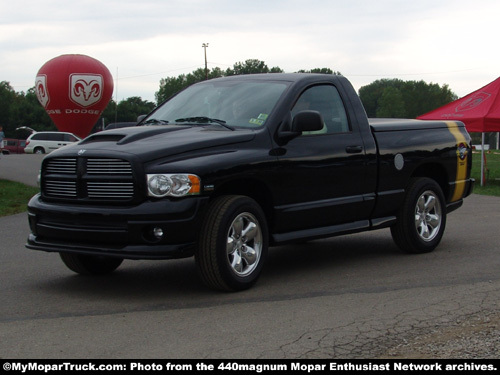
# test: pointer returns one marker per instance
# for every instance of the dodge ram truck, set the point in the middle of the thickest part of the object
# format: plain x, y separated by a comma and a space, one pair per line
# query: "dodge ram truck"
229, 167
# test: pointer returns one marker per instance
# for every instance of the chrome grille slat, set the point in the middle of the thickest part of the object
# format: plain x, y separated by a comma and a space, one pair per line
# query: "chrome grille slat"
62, 166
109, 167
64, 188
122, 190
88, 179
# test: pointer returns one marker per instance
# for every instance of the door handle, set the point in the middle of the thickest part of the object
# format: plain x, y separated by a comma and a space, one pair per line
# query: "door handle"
354, 149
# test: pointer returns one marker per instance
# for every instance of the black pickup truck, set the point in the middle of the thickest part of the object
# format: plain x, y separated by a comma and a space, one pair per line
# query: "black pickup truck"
230, 166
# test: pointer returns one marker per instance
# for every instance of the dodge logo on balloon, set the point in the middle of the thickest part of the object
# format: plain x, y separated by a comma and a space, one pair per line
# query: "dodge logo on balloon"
74, 90
41, 90
86, 89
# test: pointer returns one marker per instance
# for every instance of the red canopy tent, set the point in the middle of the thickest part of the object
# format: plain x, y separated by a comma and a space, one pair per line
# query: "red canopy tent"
479, 111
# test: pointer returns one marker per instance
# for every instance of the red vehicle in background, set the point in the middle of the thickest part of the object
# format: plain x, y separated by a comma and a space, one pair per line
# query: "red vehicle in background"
13, 146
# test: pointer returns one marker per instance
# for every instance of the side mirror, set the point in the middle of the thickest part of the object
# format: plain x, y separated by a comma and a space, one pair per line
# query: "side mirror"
307, 121
140, 118
304, 121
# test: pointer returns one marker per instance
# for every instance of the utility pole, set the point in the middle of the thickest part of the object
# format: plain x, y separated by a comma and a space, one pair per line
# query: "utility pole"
205, 45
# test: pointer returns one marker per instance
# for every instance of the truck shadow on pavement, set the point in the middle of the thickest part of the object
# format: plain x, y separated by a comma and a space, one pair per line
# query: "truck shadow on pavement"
313, 265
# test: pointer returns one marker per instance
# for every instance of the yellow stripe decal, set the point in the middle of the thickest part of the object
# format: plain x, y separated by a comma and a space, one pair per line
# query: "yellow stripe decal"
462, 156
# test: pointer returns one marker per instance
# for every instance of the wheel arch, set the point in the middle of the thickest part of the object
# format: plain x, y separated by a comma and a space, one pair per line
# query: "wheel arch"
39, 148
436, 172
252, 188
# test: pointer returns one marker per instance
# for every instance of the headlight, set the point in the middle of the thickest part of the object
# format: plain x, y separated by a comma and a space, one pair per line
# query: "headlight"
173, 185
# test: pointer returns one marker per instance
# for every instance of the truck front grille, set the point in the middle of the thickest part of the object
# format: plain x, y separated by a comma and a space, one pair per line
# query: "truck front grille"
88, 179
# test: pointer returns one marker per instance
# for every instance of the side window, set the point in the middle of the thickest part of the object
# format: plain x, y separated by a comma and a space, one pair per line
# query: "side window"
326, 100
69, 138
49, 137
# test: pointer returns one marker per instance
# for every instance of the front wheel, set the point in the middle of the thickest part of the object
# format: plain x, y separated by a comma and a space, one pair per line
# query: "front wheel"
90, 264
233, 244
422, 217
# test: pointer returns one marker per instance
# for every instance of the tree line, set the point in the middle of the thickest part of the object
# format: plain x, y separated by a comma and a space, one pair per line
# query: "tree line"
171, 85
395, 98
382, 98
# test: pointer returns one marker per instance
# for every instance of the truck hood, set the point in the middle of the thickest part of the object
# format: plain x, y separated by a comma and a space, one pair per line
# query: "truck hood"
153, 142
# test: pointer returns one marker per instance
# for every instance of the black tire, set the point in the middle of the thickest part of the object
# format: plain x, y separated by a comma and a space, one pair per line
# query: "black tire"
422, 217
227, 258
89, 264
39, 150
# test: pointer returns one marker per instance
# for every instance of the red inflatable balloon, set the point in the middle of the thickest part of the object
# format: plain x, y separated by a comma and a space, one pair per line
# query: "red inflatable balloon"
74, 90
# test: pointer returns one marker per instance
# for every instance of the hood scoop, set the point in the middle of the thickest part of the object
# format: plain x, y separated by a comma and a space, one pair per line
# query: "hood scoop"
103, 138
129, 135
143, 134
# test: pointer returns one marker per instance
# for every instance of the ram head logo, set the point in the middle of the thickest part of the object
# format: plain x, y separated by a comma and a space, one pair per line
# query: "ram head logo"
85, 89
474, 101
41, 90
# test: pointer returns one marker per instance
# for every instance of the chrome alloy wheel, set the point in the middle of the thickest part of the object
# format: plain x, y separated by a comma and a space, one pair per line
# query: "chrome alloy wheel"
428, 216
244, 244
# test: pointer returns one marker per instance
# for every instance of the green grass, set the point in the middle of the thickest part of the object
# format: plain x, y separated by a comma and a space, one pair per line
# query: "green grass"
14, 197
492, 174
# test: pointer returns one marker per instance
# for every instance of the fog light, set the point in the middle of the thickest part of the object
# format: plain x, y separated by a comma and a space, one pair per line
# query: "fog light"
158, 233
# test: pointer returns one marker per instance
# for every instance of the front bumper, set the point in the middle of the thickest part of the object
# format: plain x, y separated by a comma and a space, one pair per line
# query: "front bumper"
125, 232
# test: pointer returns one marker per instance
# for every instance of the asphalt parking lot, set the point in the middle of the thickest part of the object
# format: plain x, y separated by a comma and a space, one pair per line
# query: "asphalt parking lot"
21, 167
355, 296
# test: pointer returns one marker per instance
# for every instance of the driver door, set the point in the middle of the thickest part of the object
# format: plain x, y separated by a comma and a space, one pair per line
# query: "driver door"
324, 170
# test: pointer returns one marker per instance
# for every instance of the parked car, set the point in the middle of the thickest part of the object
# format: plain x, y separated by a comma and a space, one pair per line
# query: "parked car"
13, 146
45, 142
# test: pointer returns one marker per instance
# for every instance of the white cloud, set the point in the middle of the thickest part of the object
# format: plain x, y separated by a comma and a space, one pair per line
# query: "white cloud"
451, 42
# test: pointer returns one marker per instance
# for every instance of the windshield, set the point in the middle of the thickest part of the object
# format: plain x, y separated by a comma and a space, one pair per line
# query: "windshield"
231, 103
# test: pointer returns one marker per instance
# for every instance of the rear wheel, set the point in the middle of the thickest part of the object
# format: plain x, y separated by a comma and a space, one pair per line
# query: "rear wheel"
233, 244
90, 264
422, 217
39, 150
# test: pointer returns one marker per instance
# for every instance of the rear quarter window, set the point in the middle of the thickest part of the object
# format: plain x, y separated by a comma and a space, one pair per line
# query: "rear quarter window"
69, 138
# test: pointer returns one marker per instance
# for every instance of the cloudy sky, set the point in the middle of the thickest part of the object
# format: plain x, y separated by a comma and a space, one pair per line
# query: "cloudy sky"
452, 42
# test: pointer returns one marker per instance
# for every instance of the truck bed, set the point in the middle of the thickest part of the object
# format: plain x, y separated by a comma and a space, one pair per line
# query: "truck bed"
390, 124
